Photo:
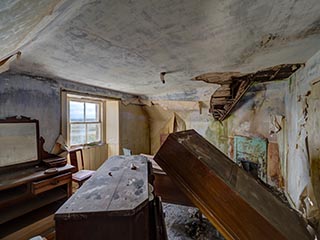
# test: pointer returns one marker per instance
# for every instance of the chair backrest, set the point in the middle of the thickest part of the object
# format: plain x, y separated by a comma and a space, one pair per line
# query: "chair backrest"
74, 158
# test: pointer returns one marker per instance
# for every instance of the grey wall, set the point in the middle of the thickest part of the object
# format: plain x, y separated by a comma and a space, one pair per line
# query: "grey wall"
22, 95
39, 98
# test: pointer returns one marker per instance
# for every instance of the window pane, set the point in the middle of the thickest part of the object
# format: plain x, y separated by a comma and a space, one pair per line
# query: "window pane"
92, 112
93, 132
76, 111
77, 134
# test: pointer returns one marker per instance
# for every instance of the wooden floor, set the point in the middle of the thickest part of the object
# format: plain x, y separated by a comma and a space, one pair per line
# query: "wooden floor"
44, 227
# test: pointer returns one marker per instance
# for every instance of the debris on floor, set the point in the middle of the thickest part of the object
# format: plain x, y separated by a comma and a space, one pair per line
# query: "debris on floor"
186, 223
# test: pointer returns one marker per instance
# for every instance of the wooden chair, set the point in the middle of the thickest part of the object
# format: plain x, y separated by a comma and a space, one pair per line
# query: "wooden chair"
81, 175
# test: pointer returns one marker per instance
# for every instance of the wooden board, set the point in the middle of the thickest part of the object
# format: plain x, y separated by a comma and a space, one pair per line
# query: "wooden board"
112, 204
114, 187
41, 227
168, 190
235, 203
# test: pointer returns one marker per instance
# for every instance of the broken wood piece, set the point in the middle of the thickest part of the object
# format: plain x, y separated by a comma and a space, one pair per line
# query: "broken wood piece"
234, 85
233, 201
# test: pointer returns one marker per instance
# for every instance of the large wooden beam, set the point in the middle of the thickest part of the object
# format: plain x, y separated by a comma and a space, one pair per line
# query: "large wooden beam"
235, 203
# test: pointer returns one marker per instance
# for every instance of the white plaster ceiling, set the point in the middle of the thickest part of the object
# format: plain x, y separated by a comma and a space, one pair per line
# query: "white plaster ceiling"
124, 45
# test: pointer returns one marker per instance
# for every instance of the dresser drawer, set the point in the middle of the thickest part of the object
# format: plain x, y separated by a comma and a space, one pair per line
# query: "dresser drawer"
47, 184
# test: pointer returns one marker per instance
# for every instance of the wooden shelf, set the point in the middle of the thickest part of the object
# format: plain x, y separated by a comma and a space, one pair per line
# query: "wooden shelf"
18, 210
9, 196
9, 228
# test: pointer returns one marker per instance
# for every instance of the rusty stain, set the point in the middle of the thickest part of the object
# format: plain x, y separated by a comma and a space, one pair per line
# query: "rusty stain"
273, 166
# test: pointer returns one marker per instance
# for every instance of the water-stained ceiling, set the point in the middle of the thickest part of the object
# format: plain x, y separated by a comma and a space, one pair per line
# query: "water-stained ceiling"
124, 45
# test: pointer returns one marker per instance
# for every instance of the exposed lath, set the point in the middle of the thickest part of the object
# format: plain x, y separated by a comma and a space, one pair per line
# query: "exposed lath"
234, 85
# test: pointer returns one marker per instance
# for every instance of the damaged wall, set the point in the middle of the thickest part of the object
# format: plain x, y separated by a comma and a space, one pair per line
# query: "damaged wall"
303, 139
257, 116
286, 114
26, 96
39, 98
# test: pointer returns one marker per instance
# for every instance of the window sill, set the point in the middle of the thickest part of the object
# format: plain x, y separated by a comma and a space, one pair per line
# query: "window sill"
87, 146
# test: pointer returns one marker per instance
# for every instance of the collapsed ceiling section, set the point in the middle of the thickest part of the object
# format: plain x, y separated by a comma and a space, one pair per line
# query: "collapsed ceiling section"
234, 85
125, 45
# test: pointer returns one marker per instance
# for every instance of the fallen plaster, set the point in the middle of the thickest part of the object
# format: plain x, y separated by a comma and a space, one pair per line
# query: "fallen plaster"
234, 85
185, 223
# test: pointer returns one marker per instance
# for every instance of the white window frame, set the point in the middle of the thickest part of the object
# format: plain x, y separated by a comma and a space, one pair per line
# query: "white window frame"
79, 98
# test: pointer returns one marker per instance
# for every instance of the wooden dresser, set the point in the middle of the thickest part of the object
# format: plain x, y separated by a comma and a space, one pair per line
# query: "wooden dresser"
117, 202
28, 195
30, 191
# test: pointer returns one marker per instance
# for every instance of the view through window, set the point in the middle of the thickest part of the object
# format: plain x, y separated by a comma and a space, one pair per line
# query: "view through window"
84, 121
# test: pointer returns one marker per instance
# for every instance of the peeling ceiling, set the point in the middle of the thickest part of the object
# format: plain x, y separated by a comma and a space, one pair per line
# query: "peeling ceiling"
124, 45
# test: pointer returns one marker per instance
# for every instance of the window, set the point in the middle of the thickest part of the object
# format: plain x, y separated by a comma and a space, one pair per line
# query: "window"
84, 121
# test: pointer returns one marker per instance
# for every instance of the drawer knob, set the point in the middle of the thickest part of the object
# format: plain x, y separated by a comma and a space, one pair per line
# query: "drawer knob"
55, 182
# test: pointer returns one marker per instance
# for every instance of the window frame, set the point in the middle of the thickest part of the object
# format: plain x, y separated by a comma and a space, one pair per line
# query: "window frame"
79, 98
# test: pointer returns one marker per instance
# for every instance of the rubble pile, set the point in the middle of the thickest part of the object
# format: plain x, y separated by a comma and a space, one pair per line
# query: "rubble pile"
187, 223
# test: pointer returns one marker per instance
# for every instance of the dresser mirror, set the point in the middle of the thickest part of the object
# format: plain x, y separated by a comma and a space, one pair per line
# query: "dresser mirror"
19, 141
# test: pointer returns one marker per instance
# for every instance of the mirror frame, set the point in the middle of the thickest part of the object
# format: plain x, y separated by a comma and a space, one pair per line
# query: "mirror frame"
23, 119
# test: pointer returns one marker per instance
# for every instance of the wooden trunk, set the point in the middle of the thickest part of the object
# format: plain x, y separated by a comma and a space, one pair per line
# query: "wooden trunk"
117, 202
235, 203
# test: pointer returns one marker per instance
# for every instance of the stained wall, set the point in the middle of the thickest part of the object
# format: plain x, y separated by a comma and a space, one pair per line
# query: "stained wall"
302, 139
134, 129
40, 98
285, 114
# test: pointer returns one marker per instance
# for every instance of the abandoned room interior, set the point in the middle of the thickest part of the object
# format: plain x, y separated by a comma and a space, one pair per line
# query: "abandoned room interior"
159, 119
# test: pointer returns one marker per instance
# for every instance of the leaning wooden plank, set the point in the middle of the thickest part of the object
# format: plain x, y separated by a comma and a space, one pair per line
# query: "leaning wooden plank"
235, 203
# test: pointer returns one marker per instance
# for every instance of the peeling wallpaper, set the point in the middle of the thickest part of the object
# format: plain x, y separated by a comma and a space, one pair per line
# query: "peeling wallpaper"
303, 139
286, 114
